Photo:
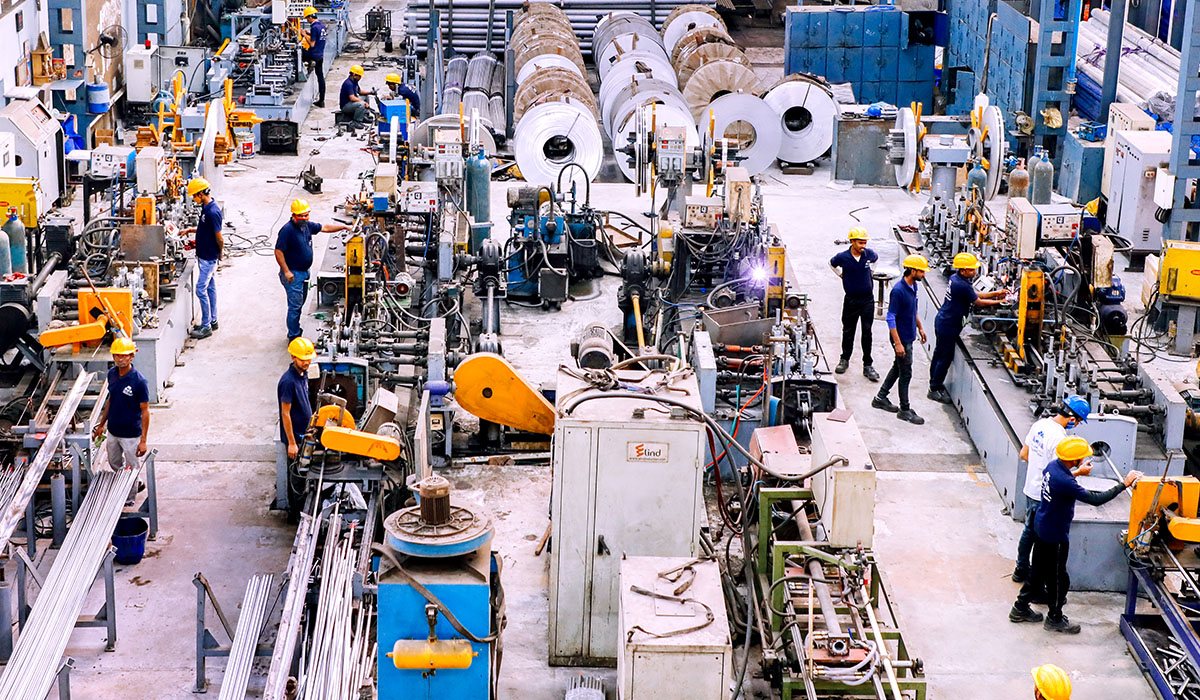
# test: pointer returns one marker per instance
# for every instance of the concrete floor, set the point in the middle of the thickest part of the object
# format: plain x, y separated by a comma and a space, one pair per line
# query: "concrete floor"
941, 538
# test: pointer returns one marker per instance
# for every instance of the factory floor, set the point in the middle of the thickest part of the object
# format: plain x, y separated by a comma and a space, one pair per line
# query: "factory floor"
943, 543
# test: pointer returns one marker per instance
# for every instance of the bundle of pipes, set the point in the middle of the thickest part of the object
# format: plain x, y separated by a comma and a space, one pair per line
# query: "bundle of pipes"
245, 638
636, 78
554, 109
35, 661
1149, 68
468, 30
719, 85
452, 88
475, 85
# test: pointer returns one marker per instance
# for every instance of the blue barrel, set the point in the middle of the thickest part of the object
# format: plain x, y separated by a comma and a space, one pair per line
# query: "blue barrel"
130, 540
98, 100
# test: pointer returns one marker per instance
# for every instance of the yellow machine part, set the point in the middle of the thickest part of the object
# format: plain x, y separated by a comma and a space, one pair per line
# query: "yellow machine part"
419, 654
333, 412
776, 269
145, 213
20, 192
355, 255
363, 444
1179, 270
488, 387
116, 303
1183, 525
69, 335
1031, 307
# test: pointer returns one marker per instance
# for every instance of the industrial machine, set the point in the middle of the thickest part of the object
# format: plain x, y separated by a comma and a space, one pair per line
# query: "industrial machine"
554, 241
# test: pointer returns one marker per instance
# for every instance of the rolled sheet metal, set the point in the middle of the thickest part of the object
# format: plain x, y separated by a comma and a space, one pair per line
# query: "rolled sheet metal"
807, 115
553, 134
766, 132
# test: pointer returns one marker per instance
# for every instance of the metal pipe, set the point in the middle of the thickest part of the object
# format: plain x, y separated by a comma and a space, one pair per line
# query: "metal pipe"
51, 263
824, 597
1112, 58
245, 637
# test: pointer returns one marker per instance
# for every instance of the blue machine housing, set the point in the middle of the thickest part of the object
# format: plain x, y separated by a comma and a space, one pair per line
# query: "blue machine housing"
394, 108
464, 585
528, 229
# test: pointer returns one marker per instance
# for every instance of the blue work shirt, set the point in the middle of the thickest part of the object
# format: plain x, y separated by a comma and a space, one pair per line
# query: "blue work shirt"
349, 87
1060, 490
902, 311
404, 92
211, 219
293, 389
960, 299
856, 274
295, 240
126, 394
316, 34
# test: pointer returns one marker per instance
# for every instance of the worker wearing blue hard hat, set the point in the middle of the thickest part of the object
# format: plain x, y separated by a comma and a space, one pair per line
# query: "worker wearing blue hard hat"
1037, 452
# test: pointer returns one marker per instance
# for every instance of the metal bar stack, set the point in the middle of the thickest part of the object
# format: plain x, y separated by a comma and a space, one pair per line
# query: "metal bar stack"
1149, 67
31, 671
298, 571
473, 17
245, 637
340, 658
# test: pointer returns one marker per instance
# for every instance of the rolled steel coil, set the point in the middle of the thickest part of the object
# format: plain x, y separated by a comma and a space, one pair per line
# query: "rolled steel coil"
695, 56
547, 86
807, 115
686, 18
554, 134
638, 91
697, 36
713, 80
756, 126
546, 60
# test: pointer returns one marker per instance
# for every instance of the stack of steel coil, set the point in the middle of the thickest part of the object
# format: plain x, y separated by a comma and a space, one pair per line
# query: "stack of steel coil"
554, 109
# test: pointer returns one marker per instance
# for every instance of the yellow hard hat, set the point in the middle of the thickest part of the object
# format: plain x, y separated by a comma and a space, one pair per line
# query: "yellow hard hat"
302, 348
966, 261
123, 346
916, 262
357, 70
1052, 682
858, 233
300, 206
197, 185
309, 11
393, 78
1073, 448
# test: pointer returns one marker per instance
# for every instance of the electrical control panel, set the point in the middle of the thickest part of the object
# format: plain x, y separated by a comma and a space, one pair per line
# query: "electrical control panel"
112, 161
1021, 228
1058, 223
418, 198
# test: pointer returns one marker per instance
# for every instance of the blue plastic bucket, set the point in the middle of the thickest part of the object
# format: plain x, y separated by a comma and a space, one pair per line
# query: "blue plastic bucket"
130, 540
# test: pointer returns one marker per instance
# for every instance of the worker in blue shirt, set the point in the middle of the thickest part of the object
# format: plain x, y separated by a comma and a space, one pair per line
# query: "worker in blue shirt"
397, 90
903, 324
294, 254
126, 412
853, 265
210, 245
314, 55
961, 298
1052, 529
351, 99
295, 413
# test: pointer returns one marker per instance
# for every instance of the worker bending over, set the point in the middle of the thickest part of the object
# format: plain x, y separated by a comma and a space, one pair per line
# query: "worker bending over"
1052, 529
961, 297
294, 254
314, 55
1038, 451
397, 90
903, 324
853, 265
210, 246
126, 413
351, 99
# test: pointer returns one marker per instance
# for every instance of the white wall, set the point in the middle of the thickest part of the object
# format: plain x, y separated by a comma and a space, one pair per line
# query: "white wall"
12, 52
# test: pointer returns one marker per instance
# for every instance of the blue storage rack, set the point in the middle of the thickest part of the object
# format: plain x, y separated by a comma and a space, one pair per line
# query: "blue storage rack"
1185, 219
867, 47
60, 37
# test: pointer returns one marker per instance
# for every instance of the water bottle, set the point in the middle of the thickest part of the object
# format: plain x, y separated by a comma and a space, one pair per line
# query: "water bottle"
1018, 180
15, 231
1042, 180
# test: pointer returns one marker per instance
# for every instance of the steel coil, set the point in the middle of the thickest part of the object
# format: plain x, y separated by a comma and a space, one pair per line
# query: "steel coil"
549, 85
544, 61
712, 80
625, 72
807, 113
554, 134
686, 18
422, 134
663, 115
640, 90
695, 56
755, 125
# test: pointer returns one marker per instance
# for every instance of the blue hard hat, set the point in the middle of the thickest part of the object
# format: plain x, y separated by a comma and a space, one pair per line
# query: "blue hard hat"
1079, 406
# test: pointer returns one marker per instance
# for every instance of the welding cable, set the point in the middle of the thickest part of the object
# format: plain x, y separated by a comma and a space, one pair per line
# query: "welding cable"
431, 598
709, 299
722, 508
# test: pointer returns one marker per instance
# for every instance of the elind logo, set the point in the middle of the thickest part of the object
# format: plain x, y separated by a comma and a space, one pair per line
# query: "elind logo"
646, 451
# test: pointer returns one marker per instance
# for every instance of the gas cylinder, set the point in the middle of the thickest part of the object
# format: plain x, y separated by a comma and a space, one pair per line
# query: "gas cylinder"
1018, 180
1042, 180
15, 231
977, 180
478, 178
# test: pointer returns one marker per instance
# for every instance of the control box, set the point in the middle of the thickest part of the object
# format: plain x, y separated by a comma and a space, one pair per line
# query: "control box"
141, 83
418, 198
152, 169
1137, 156
112, 161
1121, 117
702, 212
670, 152
1021, 228
1058, 223
447, 154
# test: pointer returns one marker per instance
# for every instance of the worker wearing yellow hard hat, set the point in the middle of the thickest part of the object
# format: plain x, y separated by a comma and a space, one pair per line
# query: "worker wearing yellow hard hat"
1051, 683
294, 254
210, 247
125, 416
398, 90
961, 298
351, 101
853, 265
314, 55
904, 325
295, 412
1051, 530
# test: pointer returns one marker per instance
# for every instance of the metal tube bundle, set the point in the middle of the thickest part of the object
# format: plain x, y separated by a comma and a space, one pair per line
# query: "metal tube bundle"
31, 671
554, 109
1148, 66
245, 637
